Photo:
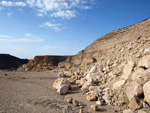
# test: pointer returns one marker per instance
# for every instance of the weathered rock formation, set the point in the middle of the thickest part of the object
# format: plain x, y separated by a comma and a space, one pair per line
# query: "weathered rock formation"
106, 43
115, 69
11, 62
42, 63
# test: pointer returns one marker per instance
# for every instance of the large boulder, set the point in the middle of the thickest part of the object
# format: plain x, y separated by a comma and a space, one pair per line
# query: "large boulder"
127, 70
135, 104
134, 89
137, 74
146, 89
59, 82
144, 62
62, 90
128, 111
118, 84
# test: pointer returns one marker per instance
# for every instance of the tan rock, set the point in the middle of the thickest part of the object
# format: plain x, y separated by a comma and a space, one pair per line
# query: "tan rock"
142, 111
128, 111
91, 97
72, 81
135, 104
75, 102
94, 107
144, 62
68, 99
134, 89
146, 89
62, 90
137, 74
59, 82
61, 74
118, 84
100, 102
107, 99
127, 70
93, 69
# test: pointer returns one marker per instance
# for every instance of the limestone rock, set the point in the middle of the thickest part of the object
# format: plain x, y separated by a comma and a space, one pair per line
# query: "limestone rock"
127, 70
61, 74
147, 51
107, 99
91, 97
128, 111
75, 102
68, 109
68, 99
63, 89
134, 89
135, 104
118, 84
94, 107
144, 62
93, 69
137, 74
72, 81
59, 82
100, 102
142, 111
146, 89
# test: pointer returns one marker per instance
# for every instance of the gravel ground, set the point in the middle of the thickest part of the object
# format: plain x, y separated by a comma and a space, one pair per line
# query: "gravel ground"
32, 92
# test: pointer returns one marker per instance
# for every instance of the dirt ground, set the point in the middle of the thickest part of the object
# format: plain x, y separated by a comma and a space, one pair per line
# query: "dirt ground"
32, 92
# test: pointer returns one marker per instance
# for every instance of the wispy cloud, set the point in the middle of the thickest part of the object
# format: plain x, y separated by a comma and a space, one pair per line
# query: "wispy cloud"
28, 35
55, 8
64, 14
4, 36
10, 14
10, 4
55, 27
47, 47
6, 39
65, 9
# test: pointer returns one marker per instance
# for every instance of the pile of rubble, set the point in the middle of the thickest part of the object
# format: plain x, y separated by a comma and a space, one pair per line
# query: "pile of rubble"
121, 77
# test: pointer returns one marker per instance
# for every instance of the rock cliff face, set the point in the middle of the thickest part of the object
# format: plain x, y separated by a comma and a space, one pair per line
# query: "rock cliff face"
103, 44
42, 63
11, 62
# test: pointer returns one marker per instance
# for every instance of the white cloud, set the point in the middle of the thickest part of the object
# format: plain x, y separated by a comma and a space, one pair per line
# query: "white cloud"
6, 39
10, 14
55, 27
10, 4
65, 9
4, 36
64, 14
47, 47
59, 8
28, 35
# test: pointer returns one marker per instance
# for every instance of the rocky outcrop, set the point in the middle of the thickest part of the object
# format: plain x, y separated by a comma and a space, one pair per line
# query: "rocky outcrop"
42, 63
119, 73
11, 62
106, 43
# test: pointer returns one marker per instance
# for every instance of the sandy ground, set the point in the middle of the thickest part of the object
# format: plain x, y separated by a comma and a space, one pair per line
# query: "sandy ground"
32, 92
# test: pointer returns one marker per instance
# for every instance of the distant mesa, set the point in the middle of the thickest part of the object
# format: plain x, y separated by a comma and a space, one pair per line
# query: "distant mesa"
11, 62
43, 63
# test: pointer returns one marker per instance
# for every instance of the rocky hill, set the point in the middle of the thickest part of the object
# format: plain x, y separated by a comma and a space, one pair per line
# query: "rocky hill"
42, 63
11, 62
103, 44
114, 70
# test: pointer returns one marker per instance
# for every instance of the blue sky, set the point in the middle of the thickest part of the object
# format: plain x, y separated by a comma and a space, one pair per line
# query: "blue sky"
62, 27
